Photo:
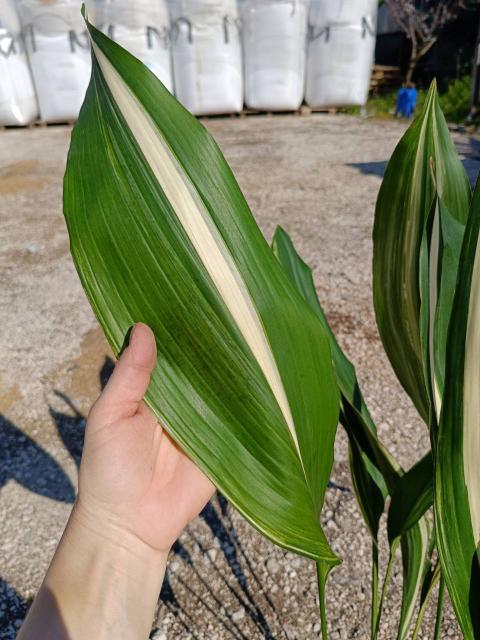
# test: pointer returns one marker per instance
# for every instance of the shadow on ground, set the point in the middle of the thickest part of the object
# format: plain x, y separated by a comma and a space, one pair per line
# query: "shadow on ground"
13, 609
469, 153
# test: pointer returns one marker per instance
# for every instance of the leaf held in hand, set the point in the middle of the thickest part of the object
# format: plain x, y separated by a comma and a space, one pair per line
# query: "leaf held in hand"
161, 233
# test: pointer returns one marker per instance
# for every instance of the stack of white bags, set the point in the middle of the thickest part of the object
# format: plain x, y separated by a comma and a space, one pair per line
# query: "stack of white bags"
208, 52
207, 55
18, 105
341, 51
274, 39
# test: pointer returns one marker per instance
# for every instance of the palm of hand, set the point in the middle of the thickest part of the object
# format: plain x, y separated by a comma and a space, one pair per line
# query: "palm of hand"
132, 472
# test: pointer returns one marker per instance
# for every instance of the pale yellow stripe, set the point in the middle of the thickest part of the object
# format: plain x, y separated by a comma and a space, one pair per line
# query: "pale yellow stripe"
471, 401
433, 300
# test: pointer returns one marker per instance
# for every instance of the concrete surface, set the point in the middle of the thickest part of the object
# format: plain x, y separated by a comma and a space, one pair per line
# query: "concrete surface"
318, 177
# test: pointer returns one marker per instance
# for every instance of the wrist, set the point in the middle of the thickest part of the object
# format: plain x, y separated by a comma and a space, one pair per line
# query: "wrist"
107, 530
103, 579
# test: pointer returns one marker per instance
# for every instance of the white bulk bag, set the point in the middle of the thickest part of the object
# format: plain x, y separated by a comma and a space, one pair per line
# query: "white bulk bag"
339, 58
18, 104
59, 52
206, 54
142, 27
134, 14
346, 12
274, 41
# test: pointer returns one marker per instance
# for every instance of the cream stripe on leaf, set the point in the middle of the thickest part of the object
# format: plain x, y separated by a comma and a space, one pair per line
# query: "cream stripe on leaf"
203, 234
457, 490
471, 402
161, 233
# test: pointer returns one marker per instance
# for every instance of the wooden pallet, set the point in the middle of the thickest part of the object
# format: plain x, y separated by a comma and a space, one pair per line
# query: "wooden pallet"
37, 124
384, 77
304, 110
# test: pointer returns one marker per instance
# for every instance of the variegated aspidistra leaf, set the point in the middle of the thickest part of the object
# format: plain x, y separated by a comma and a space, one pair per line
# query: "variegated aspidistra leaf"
161, 233
423, 164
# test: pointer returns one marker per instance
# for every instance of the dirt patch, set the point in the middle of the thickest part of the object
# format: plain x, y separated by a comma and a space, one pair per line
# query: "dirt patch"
8, 396
25, 176
89, 372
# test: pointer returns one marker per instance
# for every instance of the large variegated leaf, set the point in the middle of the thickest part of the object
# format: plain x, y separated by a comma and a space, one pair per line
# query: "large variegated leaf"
375, 473
457, 490
403, 206
161, 233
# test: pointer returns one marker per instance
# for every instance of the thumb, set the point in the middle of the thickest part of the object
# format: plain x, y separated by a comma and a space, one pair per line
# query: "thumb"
130, 379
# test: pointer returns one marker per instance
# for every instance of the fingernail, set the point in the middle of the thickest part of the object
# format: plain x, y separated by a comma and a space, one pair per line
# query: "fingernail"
143, 351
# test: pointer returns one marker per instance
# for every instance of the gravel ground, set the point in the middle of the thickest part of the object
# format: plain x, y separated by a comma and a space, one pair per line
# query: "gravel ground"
318, 177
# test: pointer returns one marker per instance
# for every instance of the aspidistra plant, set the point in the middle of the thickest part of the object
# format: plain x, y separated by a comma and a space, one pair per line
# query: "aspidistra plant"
161, 233
425, 235
426, 305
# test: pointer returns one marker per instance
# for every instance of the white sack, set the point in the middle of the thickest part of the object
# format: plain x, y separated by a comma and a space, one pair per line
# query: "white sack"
206, 54
274, 40
61, 75
134, 14
18, 104
341, 12
340, 56
59, 54
52, 17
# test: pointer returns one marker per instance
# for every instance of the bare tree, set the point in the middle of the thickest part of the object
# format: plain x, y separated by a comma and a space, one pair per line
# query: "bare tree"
422, 22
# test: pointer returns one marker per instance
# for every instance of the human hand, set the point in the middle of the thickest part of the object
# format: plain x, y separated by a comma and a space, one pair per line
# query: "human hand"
133, 477
137, 491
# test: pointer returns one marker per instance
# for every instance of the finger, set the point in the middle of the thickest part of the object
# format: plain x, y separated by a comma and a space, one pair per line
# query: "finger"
124, 391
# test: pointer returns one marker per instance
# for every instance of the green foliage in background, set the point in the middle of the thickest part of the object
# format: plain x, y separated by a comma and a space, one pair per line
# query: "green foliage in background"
454, 102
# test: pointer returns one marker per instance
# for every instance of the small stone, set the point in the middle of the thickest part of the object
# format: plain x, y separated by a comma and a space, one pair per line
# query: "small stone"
212, 554
238, 615
272, 565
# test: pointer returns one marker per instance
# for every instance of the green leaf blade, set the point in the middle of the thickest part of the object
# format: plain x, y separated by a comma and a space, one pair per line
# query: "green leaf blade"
139, 261
375, 473
402, 209
457, 482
